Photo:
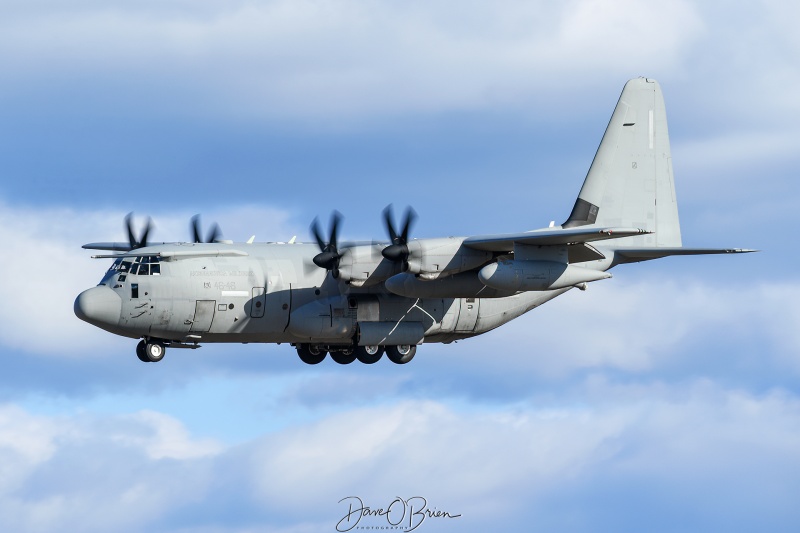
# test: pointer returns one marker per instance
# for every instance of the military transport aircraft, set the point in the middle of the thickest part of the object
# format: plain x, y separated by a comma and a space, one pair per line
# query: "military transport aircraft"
359, 300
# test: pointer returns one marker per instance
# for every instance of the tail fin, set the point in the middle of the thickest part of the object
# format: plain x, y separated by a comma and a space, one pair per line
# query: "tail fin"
630, 182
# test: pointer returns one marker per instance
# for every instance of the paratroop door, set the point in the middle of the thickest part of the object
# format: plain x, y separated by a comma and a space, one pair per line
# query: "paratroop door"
203, 315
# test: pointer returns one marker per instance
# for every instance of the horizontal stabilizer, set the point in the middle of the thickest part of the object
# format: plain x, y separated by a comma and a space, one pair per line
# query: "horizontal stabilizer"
633, 255
505, 242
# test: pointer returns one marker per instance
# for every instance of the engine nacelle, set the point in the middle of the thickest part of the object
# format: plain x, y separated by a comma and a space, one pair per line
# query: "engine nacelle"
365, 266
515, 275
436, 258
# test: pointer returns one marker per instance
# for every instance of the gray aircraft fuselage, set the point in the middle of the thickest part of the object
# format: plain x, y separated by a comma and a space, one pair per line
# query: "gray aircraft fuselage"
271, 295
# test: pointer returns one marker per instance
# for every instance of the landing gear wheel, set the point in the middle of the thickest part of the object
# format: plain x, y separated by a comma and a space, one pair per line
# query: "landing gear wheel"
140, 352
154, 351
310, 354
344, 358
369, 354
402, 354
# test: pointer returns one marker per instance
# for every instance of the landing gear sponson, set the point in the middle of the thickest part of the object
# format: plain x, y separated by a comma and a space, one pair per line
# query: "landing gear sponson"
153, 350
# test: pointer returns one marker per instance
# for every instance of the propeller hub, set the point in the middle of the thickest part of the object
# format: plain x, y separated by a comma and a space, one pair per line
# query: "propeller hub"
395, 252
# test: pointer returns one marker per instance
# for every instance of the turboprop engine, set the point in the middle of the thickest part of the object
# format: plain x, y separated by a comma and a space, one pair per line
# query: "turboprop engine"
516, 275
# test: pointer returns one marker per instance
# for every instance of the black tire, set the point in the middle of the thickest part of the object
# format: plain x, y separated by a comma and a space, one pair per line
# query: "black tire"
140, 352
369, 354
310, 355
401, 355
344, 358
154, 351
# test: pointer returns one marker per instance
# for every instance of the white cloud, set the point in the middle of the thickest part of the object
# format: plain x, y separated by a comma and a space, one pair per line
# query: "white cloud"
498, 466
87, 473
168, 438
347, 58
647, 326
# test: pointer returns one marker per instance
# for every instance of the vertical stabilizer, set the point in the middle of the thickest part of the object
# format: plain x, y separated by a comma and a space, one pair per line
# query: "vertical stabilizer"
630, 182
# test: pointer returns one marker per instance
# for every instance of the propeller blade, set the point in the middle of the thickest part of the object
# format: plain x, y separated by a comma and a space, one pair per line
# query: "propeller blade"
214, 234
141, 242
129, 228
195, 226
411, 217
388, 220
197, 235
336, 219
146, 233
315, 231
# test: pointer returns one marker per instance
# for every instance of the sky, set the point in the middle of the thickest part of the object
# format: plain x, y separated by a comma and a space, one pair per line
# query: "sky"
664, 399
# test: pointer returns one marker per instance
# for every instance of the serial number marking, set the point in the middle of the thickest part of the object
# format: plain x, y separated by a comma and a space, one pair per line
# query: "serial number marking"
222, 273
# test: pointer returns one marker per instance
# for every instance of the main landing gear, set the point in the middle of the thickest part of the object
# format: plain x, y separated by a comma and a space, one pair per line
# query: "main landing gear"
313, 354
150, 350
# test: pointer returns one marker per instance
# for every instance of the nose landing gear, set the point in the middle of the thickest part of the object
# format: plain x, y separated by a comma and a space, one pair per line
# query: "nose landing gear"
150, 350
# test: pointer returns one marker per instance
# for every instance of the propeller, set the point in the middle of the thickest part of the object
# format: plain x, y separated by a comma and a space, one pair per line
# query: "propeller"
329, 255
141, 242
213, 235
398, 250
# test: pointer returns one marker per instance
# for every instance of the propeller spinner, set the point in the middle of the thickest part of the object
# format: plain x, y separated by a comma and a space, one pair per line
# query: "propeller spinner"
329, 255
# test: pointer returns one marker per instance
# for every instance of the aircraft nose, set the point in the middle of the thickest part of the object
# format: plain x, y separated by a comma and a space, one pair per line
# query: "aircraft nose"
98, 305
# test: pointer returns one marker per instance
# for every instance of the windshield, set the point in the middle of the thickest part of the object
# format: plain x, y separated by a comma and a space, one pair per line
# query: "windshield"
145, 265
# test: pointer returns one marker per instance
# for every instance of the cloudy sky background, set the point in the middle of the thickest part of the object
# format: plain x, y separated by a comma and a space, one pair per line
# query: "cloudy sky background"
665, 399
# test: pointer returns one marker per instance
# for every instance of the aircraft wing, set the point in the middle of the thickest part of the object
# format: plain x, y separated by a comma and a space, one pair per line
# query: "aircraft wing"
549, 237
110, 246
177, 254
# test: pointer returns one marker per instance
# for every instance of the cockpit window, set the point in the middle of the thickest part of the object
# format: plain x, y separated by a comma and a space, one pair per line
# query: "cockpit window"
146, 265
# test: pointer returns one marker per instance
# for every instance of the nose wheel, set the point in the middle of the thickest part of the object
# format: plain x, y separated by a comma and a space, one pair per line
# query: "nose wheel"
150, 351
